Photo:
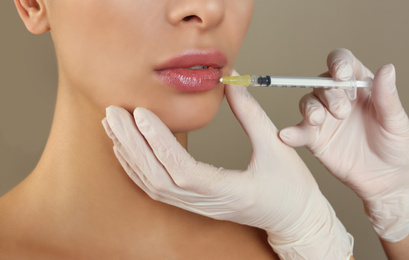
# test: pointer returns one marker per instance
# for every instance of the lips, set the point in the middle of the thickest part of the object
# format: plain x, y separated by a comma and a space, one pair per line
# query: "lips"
193, 71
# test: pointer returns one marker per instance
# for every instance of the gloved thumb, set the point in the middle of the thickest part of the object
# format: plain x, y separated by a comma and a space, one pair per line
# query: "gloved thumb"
386, 99
251, 116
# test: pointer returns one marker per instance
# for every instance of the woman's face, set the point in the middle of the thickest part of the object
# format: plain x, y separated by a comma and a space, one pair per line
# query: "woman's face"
149, 53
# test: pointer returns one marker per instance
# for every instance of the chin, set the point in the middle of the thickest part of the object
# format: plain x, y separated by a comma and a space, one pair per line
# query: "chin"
189, 112
186, 126
182, 119
181, 112
186, 122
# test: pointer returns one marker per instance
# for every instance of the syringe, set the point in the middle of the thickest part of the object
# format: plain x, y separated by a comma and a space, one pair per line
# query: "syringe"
298, 82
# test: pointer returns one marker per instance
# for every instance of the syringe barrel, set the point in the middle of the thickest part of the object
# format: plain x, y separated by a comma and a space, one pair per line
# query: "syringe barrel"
307, 82
300, 82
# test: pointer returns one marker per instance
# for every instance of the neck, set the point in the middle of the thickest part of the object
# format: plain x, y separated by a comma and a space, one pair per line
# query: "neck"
78, 143
80, 167
79, 195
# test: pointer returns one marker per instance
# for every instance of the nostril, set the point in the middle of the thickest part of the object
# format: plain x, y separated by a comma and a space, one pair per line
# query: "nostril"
192, 18
187, 18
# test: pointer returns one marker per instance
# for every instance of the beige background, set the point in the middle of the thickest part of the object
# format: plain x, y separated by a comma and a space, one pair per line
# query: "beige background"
290, 38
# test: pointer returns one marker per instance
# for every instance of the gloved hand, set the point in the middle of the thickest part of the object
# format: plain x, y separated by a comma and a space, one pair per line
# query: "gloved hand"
276, 192
365, 144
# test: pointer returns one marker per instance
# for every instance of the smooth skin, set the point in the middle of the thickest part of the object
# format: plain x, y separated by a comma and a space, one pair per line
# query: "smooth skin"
78, 203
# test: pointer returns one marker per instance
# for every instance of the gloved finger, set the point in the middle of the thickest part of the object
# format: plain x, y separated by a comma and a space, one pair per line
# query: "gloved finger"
185, 171
343, 65
388, 106
163, 194
135, 150
142, 183
169, 194
302, 134
258, 127
312, 110
109, 131
335, 100
122, 127
155, 190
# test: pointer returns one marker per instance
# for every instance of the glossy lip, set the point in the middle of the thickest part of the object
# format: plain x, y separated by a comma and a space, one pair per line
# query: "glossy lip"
176, 72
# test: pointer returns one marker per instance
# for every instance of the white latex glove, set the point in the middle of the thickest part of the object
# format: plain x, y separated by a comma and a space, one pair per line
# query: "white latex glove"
365, 144
276, 192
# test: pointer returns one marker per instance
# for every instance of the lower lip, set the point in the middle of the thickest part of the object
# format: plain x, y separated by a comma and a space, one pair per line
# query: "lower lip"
190, 80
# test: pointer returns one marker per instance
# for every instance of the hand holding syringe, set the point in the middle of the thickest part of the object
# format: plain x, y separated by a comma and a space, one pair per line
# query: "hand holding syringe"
298, 82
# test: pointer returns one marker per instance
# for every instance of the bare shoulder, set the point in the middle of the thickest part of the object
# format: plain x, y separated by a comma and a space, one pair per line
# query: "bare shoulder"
17, 238
6, 226
16, 232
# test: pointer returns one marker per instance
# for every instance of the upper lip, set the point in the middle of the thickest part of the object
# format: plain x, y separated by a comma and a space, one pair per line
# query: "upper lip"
210, 58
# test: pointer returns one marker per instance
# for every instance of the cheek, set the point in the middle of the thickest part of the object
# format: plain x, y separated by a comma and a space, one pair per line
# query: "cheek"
101, 48
103, 59
236, 24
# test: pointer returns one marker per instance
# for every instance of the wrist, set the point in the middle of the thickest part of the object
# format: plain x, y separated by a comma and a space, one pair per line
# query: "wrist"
389, 216
386, 201
324, 238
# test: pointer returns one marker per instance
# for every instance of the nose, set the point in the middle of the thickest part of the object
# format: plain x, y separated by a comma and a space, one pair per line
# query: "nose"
204, 14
